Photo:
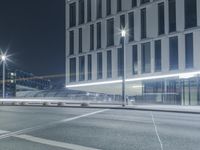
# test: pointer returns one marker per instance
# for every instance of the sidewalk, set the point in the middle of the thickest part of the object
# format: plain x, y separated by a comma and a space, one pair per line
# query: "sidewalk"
167, 108
162, 108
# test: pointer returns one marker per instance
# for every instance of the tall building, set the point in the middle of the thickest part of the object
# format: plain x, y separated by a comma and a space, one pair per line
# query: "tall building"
162, 48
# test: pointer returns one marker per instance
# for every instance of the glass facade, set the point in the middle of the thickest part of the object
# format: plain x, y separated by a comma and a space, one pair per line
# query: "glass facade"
72, 68
144, 1
131, 26
99, 8
158, 56
119, 5
173, 53
71, 42
171, 47
134, 3
143, 23
89, 10
91, 37
72, 14
109, 64
146, 57
189, 54
172, 15
81, 68
190, 13
99, 66
98, 35
89, 67
110, 32
108, 7
80, 42
161, 18
81, 11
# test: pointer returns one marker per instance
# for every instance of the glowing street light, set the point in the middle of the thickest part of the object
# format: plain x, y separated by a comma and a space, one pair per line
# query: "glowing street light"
123, 33
3, 59
123, 36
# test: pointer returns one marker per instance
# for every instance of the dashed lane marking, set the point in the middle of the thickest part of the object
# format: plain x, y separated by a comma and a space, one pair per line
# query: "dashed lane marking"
156, 130
54, 143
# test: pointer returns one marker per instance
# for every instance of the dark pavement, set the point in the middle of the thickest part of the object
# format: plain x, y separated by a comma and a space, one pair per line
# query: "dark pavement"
51, 128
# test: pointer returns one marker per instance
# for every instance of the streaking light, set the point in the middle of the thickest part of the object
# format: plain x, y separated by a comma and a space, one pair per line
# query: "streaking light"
177, 75
94, 83
137, 86
187, 76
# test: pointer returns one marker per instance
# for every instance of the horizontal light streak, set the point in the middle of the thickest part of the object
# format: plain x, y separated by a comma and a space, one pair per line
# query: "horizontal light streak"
179, 75
94, 83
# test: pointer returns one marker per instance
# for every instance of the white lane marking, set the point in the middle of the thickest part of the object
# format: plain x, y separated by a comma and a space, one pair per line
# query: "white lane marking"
156, 130
49, 124
3, 131
54, 143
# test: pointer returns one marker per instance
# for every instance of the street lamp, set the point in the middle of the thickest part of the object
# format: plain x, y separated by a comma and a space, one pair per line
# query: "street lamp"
3, 59
123, 36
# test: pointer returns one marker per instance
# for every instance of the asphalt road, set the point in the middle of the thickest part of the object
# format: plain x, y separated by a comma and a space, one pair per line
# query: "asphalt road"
40, 128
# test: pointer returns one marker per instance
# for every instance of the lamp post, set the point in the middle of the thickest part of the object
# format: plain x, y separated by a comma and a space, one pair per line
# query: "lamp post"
123, 36
3, 59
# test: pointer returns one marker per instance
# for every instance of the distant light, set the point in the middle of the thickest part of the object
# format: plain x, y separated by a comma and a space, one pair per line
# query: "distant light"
3, 57
137, 86
177, 75
187, 76
123, 33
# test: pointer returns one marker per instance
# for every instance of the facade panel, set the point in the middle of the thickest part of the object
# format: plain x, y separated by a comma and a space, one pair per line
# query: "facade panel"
162, 42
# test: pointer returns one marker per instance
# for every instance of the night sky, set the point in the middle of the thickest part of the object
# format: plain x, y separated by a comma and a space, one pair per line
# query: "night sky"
33, 31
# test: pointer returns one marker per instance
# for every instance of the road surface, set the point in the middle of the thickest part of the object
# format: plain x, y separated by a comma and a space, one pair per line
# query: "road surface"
51, 128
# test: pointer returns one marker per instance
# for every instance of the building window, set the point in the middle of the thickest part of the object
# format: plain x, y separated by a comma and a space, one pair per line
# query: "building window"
98, 35
120, 61
110, 32
131, 26
161, 18
146, 57
89, 67
81, 68
134, 3
99, 66
122, 21
143, 23
91, 37
158, 54
190, 13
189, 54
172, 15
135, 59
109, 64
80, 42
108, 7
72, 14
71, 42
173, 53
144, 1
119, 5
89, 10
81, 12
72, 67
99, 9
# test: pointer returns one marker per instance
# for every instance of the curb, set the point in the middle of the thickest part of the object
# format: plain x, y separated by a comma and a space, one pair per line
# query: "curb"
108, 107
